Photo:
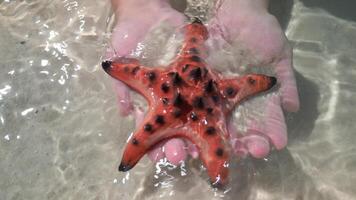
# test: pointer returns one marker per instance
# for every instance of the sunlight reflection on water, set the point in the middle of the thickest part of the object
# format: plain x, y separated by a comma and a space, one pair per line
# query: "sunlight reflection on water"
59, 130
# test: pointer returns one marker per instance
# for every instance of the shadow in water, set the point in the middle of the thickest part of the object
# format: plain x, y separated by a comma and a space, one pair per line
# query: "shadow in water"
283, 178
250, 178
282, 9
179, 5
344, 9
301, 124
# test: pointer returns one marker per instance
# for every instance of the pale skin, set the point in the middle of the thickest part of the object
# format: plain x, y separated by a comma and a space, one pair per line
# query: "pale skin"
243, 22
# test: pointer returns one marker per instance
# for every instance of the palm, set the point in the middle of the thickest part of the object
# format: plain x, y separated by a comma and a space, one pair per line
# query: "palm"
241, 22
258, 34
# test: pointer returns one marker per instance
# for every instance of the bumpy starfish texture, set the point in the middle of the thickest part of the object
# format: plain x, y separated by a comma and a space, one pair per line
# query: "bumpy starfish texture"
187, 99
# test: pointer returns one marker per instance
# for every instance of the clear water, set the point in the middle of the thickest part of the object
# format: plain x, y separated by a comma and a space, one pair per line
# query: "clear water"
61, 136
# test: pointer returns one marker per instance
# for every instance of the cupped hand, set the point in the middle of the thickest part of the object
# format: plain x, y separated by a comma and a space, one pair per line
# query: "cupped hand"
248, 25
134, 20
243, 22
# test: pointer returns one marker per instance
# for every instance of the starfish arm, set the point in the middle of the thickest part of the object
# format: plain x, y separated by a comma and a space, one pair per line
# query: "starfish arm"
165, 122
136, 76
193, 49
235, 90
162, 122
214, 152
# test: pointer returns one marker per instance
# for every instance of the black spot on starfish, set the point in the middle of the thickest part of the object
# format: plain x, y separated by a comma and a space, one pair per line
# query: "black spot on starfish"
230, 91
185, 67
151, 76
251, 81
193, 116
176, 79
165, 87
210, 130
215, 98
205, 72
209, 110
209, 86
195, 74
178, 100
177, 112
160, 119
135, 70
148, 127
193, 50
195, 59
198, 102
135, 141
219, 152
165, 101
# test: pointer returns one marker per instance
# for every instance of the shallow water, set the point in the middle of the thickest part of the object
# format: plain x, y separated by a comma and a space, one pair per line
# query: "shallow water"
61, 136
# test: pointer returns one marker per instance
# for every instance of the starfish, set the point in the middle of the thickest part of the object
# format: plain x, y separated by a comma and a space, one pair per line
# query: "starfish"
187, 99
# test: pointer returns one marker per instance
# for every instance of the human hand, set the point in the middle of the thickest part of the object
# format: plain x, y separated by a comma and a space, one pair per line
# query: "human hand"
257, 33
134, 19
261, 36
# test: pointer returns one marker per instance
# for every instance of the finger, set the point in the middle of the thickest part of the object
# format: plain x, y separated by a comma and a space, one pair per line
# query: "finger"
122, 90
256, 127
257, 145
175, 151
121, 46
272, 123
139, 116
193, 150
275, 125
237, 145
239, 148
135, 22
231, 128
123, 98
288, 90
252, 143
175, 18
156, 153
126, 35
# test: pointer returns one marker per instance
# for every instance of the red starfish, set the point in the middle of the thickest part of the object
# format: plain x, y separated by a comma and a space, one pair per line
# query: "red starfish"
187, 99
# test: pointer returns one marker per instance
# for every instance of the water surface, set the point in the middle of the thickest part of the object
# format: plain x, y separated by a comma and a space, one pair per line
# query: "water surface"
61, 136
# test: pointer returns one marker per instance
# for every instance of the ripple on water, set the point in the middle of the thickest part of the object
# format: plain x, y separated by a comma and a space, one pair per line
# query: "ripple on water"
60, 132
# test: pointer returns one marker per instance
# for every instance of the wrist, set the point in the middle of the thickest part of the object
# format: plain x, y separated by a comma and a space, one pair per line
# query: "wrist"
245, 4
123, 5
